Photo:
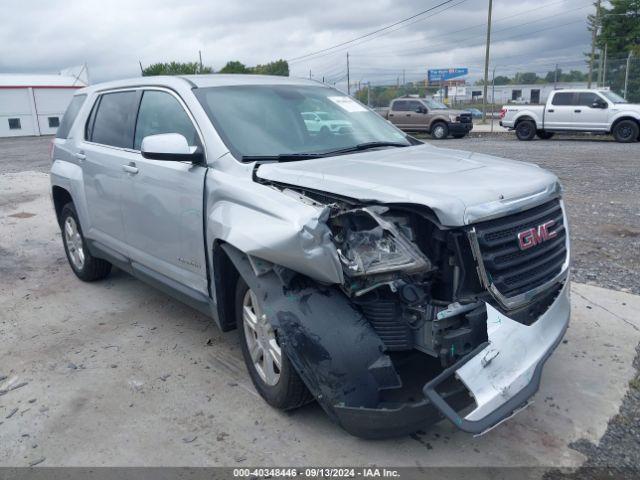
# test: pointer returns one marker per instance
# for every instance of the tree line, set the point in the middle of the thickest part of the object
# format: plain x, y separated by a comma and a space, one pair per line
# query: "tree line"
278, 67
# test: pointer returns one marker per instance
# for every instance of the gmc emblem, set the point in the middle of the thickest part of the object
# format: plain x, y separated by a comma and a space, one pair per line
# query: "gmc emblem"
536, 235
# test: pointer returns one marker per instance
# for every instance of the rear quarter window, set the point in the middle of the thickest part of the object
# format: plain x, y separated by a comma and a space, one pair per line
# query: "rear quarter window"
70, 116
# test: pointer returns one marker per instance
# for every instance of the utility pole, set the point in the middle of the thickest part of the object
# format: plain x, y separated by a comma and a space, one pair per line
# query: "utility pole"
594, 36
348, 77
493, 94
599, 81
309, 74
141, 69
200, 55
604, 68
486, 63
626, 75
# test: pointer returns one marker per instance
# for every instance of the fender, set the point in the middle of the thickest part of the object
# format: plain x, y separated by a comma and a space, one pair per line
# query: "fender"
331, 345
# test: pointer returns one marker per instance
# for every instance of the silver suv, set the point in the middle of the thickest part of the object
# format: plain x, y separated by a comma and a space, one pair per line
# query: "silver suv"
392, 281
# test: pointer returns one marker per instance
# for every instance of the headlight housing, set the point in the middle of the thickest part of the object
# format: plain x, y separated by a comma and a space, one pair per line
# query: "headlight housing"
454, 118
368, 244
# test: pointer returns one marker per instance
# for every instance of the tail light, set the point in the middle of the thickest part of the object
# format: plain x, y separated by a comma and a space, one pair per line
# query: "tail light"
503, 112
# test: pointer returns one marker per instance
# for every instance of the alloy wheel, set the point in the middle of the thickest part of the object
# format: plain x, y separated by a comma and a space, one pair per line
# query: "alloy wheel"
73, 239
261, 339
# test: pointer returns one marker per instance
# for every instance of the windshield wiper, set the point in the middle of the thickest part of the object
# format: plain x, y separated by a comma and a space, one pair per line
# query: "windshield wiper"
290, 157
282, 157
365, 146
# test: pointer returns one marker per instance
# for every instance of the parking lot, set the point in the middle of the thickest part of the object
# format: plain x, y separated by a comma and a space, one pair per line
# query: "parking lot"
115, 373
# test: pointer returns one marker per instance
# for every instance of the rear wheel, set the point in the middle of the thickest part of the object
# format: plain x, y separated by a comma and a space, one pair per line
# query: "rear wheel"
84, 265
439, 131
625, 131
542, 135
526, 130
271, 371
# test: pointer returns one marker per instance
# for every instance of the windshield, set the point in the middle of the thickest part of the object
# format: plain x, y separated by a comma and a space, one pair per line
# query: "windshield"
435, 104
274, 120
613, 97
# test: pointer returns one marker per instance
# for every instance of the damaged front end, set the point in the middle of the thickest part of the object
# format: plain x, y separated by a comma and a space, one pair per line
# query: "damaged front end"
415, 332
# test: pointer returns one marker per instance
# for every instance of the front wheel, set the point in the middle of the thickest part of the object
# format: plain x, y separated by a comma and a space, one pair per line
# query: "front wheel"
86, 267
439, 131
542, 135
270, 369
625, 131
526, 130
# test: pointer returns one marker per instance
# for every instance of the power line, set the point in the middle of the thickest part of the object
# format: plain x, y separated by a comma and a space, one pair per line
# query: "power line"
294, 59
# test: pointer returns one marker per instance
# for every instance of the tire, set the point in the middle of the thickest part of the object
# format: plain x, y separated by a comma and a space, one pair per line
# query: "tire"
526, 130
288, 391
439, 131
86, 267
542, 135
625, 131
459, 135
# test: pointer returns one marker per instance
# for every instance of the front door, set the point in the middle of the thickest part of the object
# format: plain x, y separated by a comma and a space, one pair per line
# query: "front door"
162, 209
588, 117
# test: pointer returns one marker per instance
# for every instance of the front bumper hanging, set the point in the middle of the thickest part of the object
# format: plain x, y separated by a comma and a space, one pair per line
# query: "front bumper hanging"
504, 373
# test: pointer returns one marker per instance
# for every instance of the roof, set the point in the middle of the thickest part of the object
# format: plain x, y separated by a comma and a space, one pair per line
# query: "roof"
38, 81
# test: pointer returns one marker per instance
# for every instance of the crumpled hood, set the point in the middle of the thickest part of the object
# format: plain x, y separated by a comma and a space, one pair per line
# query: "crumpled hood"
460, 187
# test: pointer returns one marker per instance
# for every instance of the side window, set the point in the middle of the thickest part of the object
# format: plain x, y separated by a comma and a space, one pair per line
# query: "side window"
563, 99
401, 106
160, 112
114, 119
587, 99
413, 105
69, 116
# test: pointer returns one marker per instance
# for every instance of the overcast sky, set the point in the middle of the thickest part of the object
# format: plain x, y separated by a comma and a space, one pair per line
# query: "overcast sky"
44, 36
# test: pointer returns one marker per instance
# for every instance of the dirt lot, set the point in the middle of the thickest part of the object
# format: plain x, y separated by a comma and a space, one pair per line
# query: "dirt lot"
115, 373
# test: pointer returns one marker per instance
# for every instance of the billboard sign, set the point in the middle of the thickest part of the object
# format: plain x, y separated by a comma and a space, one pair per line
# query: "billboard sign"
444, 74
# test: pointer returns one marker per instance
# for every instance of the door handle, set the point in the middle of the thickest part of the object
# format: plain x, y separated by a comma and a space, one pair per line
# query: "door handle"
577, 111
550, 111
80, 156
131, 168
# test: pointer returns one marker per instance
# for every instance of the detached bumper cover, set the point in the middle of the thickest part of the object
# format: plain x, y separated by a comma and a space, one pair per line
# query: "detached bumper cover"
503, 374
460, 128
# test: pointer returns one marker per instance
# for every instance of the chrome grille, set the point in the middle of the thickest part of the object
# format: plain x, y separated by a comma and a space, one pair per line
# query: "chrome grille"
514, 271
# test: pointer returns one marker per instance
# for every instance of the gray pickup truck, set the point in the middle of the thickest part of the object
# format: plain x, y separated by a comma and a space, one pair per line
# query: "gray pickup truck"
393, 282
430, 116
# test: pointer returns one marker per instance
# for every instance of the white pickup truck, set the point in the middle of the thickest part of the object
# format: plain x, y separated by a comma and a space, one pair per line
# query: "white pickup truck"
580, 110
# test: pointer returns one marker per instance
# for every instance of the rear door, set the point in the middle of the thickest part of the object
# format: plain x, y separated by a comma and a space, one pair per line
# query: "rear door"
399, 113
162, 208
586, 117
108, 144
559, 114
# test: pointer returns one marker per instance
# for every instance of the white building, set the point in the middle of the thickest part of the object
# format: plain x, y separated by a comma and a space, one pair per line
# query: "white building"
34, 104
532, 93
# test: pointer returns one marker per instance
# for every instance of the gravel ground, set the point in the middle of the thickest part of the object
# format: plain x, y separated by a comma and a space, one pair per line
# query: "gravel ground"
602, 193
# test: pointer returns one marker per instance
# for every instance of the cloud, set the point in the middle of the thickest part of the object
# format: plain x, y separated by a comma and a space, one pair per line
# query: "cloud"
112, 36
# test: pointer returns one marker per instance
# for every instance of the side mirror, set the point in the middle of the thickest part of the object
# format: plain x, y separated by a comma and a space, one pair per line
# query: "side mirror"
169, 147
421, 110
599, 104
